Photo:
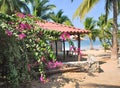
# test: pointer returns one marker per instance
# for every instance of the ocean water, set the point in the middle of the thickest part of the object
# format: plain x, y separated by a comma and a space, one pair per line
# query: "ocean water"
85, 44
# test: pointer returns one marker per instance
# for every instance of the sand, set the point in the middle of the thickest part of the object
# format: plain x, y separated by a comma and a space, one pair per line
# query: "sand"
109, 77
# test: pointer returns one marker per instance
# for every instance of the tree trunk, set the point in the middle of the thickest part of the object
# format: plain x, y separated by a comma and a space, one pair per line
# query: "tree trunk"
114, 53
91, 45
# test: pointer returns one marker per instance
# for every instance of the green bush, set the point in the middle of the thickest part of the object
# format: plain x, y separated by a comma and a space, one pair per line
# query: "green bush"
22, 44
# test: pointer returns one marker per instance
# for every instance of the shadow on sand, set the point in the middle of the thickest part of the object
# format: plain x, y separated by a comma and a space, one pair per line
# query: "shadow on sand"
58, 81
100, 86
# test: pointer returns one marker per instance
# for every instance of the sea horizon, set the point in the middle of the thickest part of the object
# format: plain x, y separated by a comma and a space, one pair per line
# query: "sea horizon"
84, 45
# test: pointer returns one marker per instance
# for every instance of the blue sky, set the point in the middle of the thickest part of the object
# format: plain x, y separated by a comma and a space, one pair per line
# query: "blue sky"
69, 8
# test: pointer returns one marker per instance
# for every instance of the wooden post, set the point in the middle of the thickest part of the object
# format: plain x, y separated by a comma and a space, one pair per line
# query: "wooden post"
79, 57
63, 49
56, 48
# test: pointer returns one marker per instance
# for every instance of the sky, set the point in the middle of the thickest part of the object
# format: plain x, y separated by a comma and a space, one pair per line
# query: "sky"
69, 8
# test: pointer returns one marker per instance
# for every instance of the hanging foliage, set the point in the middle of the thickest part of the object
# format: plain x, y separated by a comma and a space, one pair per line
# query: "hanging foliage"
24, 46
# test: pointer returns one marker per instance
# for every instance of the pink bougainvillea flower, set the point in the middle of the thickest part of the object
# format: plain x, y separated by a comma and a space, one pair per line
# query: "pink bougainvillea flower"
76, 50
50, 65
58, 64
68, 35
27, 26
21, 36
65, 36
21, 15
24, 26
53, 65
43, 80
62, 37
9, 33
30, 15
79, 51
72, 48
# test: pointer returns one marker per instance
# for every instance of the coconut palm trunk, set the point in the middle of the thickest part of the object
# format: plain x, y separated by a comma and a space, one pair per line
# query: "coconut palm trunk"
91, 45
114, 53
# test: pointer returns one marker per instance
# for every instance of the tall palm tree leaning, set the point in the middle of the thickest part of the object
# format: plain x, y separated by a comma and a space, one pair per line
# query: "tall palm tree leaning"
87, 5
10, 6
90, 24
42, 9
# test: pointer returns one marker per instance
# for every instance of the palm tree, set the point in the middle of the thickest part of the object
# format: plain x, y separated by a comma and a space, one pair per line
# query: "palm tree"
118, 39
68, 23
60, 18
105, 34
90, 24
87, 5
42, 9
10, 6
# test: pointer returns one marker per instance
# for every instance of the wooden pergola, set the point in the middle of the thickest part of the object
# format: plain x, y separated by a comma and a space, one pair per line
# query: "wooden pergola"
63, 28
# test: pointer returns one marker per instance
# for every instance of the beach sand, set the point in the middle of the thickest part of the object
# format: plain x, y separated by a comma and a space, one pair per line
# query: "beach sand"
109, 77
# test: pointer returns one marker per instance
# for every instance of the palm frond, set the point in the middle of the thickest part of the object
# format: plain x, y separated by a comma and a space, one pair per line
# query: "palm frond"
84, 8
108, 7
9, 6
50, 7
60, 18
29, 1
24, 7
42, 9
118, 7
3, 6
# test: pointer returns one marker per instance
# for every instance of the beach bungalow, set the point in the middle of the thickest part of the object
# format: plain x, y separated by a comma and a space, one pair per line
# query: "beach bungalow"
62, 28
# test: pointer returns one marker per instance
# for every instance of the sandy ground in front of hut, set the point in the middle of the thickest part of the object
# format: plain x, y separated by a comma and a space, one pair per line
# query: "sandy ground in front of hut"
109, 77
